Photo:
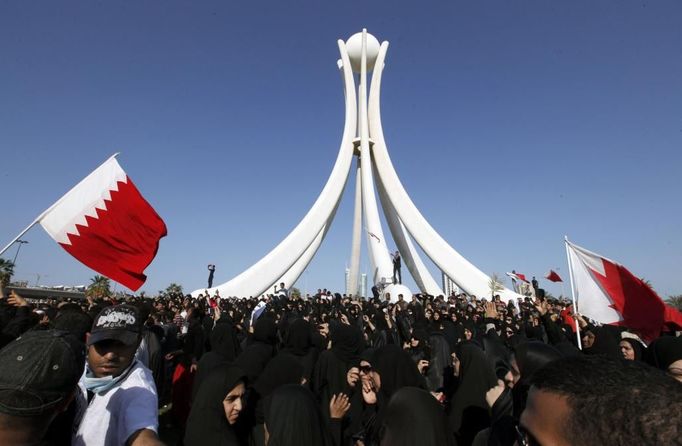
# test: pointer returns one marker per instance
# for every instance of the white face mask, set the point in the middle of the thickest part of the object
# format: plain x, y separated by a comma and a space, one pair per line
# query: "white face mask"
101, 385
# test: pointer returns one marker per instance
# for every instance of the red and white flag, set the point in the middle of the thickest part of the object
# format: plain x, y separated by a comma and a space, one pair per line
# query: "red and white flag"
106, 224
517, 276
608, 293
553, 276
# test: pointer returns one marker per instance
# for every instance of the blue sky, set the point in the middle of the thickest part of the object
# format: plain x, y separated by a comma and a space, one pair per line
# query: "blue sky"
509, 123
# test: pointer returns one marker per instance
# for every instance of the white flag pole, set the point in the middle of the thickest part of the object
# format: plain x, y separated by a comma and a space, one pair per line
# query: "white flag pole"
19, 236
40, 217
575, 306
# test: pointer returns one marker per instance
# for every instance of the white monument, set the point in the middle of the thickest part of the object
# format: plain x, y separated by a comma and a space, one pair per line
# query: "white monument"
363, 139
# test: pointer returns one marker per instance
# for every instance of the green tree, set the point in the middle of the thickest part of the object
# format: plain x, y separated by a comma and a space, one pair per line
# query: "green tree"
173, 288
647, 282
675, 301
99, 287
294, 293
6, 272
495, 284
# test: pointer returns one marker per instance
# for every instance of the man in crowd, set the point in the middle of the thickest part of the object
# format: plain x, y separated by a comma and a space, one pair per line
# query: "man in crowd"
40, 372
282, 292
118, 401
594, 400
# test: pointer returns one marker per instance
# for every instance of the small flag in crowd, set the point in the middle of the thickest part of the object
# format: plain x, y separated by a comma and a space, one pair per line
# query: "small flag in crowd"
608, 293
257, 311
106, 224
517, 276
553, 276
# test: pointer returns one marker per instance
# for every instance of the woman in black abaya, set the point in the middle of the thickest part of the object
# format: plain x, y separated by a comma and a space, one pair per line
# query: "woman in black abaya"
414, 417
216, 408
395, 369
298, 342
260, 349
665, 353
329, 377
224, 349
292, 418
468, 408
392, 369
506, 410
632, 349
282, 370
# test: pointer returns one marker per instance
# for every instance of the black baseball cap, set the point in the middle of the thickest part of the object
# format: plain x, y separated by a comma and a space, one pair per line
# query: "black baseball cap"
39, 370
118, 322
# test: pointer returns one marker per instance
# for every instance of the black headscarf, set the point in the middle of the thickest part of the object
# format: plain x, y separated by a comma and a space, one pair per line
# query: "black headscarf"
282, 369
421, 335
468, 408
533, 355
664, 351
396, 370
260, 350
298, 340
292, 418
265, 331
606, 339
347, 342
414, 417
529, 357
207, 423
224, 340
224, 348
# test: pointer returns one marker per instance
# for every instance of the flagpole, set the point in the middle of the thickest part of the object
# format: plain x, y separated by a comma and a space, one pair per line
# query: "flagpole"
575, 306
19, 236
40, 217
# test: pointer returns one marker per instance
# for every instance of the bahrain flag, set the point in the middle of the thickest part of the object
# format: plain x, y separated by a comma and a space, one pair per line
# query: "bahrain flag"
106, 224
608, 293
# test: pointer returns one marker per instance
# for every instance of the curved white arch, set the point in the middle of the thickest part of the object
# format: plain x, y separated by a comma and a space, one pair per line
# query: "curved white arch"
259, 277
382, 266
354, 266
461, 271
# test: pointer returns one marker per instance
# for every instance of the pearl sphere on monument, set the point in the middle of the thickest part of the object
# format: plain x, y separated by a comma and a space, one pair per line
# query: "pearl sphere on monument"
396, 288
354, 48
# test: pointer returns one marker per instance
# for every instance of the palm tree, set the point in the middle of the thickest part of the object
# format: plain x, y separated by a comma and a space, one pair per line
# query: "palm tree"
6, 272
100, 286
675, 301
174, 288
495, 284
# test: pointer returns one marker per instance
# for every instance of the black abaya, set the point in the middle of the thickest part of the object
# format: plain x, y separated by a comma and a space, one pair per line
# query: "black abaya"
414, 417
293, 418
207, 423
468, 408
224, 348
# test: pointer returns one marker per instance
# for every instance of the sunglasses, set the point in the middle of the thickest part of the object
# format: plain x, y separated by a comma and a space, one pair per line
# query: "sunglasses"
366, 369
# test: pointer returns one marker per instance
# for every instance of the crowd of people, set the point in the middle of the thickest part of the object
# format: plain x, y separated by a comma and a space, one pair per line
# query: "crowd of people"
330, 370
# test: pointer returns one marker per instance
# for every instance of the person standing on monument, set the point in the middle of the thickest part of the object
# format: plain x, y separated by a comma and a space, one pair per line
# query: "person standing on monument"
211, 270
396, 267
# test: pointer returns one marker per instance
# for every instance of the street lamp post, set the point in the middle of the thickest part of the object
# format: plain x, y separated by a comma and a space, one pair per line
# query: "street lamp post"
20, 242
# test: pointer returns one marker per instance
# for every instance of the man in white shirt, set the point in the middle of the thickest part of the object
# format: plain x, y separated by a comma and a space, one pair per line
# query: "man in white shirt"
118, 404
